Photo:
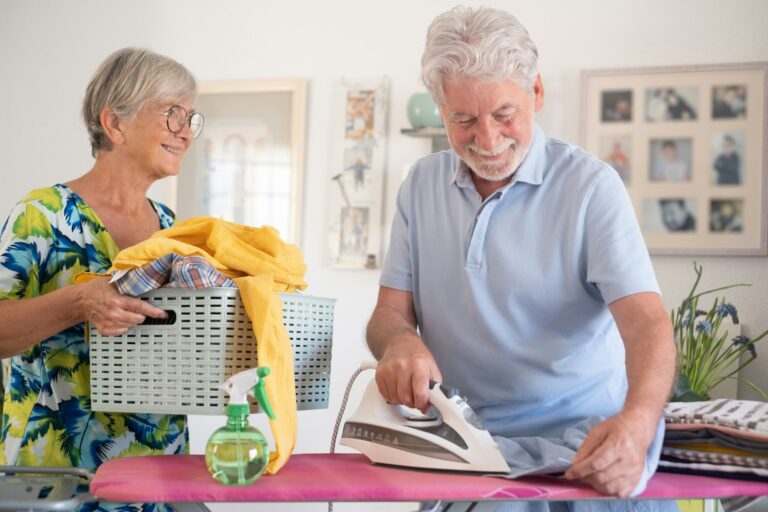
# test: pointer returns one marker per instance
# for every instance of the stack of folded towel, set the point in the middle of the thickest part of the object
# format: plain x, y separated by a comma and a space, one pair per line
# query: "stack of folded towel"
727, 438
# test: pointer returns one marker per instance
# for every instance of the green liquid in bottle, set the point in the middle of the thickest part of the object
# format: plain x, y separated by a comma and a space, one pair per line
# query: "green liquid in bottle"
236, 454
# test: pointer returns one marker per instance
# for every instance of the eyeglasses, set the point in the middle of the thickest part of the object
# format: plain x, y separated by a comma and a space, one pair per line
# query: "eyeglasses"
176, 117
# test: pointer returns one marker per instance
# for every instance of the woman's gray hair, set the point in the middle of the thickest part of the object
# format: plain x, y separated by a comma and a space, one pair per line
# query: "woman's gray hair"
125, 81
485, 44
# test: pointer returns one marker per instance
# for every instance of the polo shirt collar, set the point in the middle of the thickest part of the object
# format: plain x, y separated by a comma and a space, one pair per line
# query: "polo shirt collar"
530, 171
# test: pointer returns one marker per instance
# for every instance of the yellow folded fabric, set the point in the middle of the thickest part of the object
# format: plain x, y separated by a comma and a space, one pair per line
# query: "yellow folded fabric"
712, 448
260, 264
234, 249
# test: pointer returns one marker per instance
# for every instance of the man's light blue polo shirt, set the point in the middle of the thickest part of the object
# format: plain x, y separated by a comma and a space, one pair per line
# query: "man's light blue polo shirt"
511, 293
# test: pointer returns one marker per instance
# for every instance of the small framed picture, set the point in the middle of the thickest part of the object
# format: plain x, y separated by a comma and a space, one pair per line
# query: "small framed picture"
616, 151
726, 215
670, 215
671, 104
671, 159
689, 145
616, 106
726, 157
358, 143
729, 101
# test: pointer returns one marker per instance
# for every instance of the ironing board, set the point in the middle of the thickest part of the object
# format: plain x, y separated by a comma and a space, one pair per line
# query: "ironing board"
351, 477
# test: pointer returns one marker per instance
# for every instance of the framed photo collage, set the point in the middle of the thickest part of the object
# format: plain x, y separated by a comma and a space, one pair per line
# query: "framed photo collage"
689, 144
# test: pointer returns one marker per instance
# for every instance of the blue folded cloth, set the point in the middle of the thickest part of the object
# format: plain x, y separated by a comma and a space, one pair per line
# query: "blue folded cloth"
547, 456
544, 456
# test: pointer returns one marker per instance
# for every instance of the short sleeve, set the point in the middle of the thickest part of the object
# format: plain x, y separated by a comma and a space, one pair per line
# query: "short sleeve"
25, 242
618, 263
397, 272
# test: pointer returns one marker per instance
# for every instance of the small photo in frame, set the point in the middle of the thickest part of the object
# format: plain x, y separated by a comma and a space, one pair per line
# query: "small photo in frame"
688, 143
726, 215
358, 161
670, 215
615, 150
670, 159
616, 106
360, 114
671, 104
729, 101
354, 231
727, 155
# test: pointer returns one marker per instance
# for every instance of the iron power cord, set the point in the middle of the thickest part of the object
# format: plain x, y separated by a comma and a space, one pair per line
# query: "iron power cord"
365, 365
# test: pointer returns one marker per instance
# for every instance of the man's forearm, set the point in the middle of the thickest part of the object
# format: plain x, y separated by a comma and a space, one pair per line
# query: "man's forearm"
650, 362
405, 364
387, 325
650, 350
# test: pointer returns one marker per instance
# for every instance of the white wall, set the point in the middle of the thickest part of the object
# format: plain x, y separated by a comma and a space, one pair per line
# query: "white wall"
48, 50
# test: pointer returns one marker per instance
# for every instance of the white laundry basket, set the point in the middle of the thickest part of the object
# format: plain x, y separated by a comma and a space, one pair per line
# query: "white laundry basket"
175, 366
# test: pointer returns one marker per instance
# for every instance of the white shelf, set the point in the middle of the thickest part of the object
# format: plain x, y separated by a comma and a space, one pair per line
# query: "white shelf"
438, 135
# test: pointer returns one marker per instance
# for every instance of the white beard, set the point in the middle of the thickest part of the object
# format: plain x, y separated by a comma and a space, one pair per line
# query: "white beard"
495, 170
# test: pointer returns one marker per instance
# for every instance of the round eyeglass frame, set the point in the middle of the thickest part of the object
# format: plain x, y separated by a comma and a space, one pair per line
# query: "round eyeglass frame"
195, 120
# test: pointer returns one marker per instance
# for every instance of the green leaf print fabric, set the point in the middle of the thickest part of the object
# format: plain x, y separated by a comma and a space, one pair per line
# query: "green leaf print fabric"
50, 237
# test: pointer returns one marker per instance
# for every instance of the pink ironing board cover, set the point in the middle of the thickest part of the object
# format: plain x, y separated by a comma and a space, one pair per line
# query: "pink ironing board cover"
351, 477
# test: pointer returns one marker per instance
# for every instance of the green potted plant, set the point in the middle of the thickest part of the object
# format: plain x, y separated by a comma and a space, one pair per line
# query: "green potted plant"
706, 355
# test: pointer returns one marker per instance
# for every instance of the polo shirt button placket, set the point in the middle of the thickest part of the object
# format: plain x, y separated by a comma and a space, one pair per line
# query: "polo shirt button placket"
477, 238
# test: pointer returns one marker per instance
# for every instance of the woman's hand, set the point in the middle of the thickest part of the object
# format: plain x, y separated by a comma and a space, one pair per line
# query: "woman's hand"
111, 313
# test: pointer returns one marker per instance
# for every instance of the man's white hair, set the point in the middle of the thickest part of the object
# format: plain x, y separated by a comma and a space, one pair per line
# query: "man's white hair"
486, 44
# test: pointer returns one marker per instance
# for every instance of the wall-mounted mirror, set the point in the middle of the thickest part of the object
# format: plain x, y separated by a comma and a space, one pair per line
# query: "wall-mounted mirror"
248, 164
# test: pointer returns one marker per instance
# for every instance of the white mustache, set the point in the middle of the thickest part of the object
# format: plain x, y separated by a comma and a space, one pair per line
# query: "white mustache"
503, 146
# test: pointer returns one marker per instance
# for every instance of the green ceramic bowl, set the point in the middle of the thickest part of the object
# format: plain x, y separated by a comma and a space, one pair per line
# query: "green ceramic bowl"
423, 112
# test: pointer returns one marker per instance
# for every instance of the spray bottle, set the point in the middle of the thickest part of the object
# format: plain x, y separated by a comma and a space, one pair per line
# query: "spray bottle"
237, 453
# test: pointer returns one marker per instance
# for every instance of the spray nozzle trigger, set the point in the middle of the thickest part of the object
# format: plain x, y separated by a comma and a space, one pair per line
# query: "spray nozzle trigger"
260, 393
249, 382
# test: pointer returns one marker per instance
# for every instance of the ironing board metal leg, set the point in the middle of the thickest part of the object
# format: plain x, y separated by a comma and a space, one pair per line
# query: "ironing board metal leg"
189, 507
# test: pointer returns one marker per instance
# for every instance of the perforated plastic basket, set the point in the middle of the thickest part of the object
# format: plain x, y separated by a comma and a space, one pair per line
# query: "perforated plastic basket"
176, 368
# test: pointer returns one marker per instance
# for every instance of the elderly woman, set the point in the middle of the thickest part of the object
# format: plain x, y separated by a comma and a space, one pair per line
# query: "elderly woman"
139, 115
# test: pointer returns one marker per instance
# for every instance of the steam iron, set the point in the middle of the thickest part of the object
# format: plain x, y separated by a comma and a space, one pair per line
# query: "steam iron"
452, 438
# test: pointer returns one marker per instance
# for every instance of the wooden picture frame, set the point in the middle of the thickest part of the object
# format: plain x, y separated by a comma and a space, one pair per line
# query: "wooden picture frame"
689, 143
248, 164
358, 147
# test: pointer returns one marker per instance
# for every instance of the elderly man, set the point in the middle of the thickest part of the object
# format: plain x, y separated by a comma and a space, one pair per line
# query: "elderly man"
517, 271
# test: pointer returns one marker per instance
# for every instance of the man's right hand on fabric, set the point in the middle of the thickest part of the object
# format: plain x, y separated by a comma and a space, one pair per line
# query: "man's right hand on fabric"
111, 313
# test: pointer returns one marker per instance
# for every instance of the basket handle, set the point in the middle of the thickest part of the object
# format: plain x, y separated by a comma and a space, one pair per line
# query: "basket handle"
169, 320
